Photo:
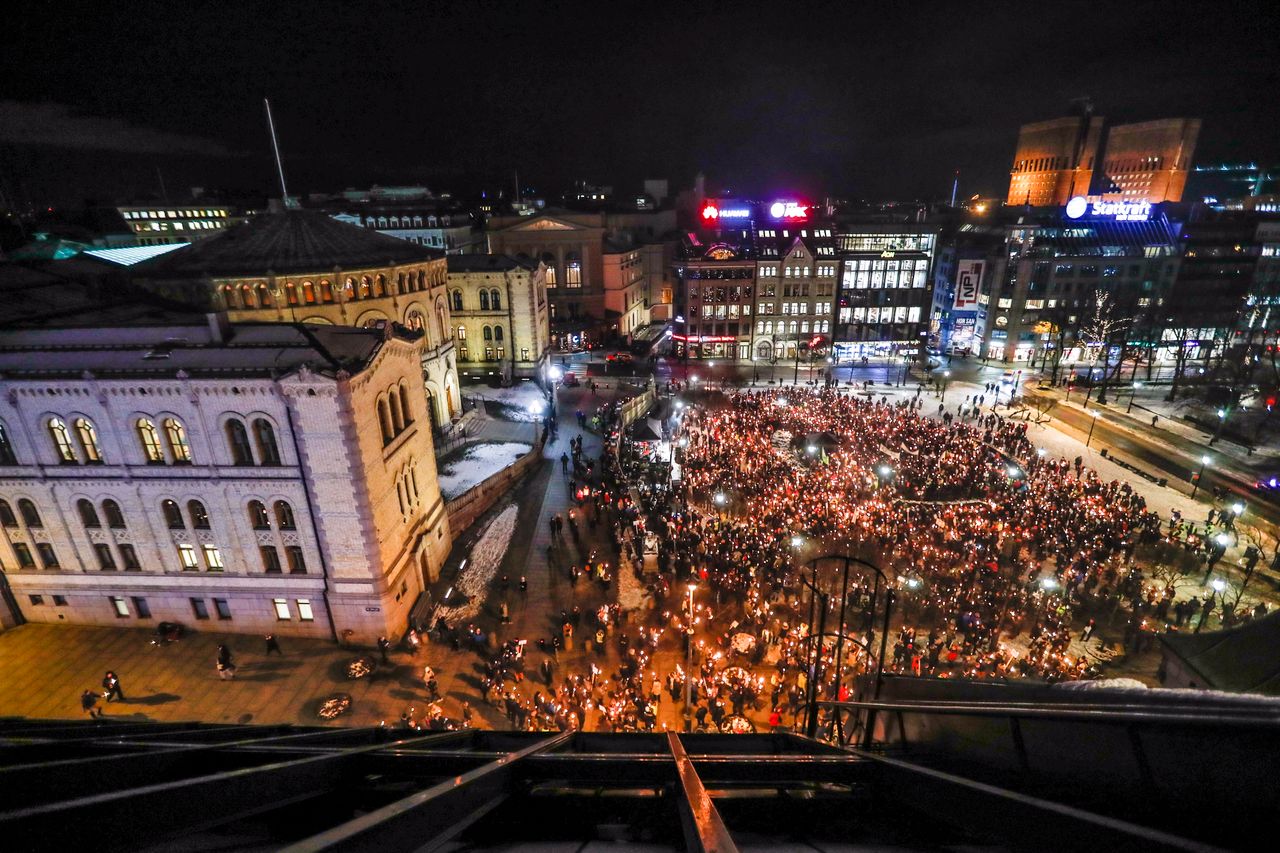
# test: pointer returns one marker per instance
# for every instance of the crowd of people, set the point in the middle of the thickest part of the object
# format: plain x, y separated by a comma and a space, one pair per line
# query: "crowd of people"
995, 559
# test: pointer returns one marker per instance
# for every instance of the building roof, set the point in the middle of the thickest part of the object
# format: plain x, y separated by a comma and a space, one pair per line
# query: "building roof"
1244, 659
292, 241
200, 348
489, 263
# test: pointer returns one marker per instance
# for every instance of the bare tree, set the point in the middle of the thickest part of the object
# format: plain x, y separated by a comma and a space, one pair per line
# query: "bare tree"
1098, 330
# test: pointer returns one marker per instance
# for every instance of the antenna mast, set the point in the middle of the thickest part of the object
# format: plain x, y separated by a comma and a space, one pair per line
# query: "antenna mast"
275, 146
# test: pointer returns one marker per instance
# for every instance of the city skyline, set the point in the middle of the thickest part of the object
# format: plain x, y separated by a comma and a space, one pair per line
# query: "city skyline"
886, 106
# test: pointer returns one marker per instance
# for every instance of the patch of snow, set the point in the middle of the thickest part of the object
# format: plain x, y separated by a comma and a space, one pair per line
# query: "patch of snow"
478, 463
482, 565
631, 591
520, 401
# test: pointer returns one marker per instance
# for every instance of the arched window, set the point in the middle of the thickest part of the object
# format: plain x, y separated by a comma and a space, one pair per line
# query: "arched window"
550, 261
349, 289
497, 333
462, 333
415, 321
258, 516
199, 516
308, 293
264, 297
487, 333
572, 271
228, 296
62, 442
172, 515
238, 439
177, 437
30, 517
284, 516
7, 456
150, 439
246, 296
291, 293
422, 280
495, 300
397, 419
384, 421
7, 518
484, 300
400, 283
88, 515
115, 518
88, 441
366, 287
326, 291
380, 286
268, 452
404, 405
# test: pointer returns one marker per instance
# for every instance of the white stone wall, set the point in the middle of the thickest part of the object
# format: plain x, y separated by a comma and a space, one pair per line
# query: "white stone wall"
365, 559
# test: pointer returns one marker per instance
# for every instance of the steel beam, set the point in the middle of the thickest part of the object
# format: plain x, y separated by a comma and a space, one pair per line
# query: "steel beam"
704, 831
430, 819
992, 812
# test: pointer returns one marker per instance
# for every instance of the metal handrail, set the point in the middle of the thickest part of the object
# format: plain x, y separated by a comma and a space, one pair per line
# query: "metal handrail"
1092, 713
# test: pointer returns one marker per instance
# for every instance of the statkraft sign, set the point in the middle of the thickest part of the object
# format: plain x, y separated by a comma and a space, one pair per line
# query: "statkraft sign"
1120, 211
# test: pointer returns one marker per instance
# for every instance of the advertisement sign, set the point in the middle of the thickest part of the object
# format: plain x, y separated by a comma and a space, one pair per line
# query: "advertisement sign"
968, 284
1120, 211
789, 210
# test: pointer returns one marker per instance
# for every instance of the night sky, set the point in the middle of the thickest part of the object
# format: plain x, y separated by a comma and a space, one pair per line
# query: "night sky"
853, 98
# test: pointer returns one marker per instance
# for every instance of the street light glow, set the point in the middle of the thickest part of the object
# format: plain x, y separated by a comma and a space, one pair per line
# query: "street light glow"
720, 498
1219, 584
811, 450
781, 401
1015, 471
1204, 460
1049, 583
1237, 508
884, 471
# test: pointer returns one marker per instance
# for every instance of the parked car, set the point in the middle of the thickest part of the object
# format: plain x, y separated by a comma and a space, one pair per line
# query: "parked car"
570, 380
620, 357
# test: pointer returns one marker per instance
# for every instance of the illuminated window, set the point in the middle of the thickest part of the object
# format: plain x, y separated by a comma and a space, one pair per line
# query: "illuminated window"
573, 273
62, 442
187, 558
284, 516
177, 437
304, 610
258, 517
150, 442
213, 558
282, 609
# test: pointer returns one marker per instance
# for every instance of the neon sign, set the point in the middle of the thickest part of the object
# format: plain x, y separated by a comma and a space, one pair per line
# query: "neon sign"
1121, 211
789, 210
711, 213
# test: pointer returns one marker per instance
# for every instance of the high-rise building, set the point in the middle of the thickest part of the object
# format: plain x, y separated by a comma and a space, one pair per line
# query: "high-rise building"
886, 294
1055, 160
1063, 158
1147, 161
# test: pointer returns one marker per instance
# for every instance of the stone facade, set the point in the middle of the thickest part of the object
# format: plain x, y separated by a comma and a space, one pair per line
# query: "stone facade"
500, 315
221, 496
626, 291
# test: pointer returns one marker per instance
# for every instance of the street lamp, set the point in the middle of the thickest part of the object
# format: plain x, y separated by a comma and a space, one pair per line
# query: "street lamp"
720, 499
1133, 395
1204, 460
1048, 584
797, 541
946, 378
1094, 414
1222, 421
688, 662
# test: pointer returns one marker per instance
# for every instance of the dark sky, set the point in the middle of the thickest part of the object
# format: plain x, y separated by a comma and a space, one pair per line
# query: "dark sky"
859, 98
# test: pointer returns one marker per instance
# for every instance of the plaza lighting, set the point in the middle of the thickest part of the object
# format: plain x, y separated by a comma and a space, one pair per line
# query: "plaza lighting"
1048, 583
797, 541
711, 365
693, 379
781, 401
720, 499
1093, 413
1222, 539
1015, 471
688, 663
884, 471
537, 408
811, 449
684, 441
913, 583
1040, 451
555, 374
1218, 584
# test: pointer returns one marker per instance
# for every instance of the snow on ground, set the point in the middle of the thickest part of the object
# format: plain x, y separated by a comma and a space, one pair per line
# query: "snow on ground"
478, 463
631, 590
482, 564
515, 400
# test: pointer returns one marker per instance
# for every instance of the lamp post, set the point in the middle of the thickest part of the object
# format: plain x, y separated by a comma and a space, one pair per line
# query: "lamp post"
1132, 395
1222, 421
946, 378
688, 663
1195, 487
1094, 414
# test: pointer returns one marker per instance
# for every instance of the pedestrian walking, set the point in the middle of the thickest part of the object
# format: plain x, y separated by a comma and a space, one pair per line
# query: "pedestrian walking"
225, 664
111, 687
383, 645
564, 464
273, 645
